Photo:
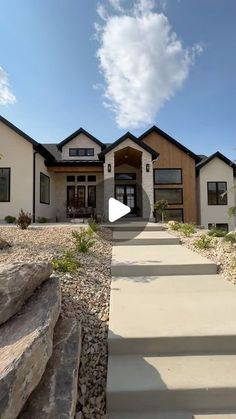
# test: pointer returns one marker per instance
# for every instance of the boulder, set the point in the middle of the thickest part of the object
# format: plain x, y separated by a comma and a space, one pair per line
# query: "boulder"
26, 343
56, 395
4, 244
17, 283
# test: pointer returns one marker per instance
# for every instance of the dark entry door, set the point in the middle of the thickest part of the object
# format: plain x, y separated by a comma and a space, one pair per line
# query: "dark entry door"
75, 201
127, 195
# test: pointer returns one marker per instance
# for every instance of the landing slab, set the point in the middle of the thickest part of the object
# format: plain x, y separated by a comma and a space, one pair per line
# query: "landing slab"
172, 314
171, 415
143, 238
159, 260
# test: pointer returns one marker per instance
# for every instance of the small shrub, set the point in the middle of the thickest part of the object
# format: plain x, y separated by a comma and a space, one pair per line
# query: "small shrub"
24, 220
204, 242
187, 229
66, 263
42, 220
83, 239
174, 225
10, 219
159, 208
230, 237
93, 224
216, 232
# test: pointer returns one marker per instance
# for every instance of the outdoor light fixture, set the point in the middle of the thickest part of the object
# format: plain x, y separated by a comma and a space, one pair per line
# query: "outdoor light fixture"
109, 168
147, 167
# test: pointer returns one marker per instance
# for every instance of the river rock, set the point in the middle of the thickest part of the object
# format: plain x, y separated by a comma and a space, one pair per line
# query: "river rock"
56, 395
26, 343
17, 283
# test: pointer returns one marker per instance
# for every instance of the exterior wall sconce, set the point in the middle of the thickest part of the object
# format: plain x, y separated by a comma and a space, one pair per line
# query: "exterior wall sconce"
109, 168
147, 167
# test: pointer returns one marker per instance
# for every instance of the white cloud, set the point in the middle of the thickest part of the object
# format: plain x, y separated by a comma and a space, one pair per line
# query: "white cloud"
6, 96
116, 4
143, 62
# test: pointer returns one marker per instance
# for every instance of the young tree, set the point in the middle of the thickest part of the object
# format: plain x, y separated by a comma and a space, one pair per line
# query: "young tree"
160, 207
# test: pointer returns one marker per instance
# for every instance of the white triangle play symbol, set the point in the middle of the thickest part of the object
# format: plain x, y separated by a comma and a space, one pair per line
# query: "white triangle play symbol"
117, 210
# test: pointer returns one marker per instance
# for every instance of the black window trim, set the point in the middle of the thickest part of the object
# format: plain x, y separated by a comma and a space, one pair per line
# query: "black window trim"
40, 198
126, 173
92, 181
81, 155
168, 168
95, 188
172, 189
217, 195
9, 185
177, 209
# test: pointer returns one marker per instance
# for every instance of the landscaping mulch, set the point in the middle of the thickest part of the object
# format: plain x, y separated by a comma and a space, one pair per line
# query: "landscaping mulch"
85, 295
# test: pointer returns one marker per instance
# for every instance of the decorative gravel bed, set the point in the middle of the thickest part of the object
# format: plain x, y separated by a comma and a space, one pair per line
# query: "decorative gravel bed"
221, 252
85, 295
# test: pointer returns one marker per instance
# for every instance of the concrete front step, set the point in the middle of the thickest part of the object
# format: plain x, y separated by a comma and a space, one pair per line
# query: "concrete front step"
159, 260
129, 238
135, 226
171, 415
183, 383
172, 314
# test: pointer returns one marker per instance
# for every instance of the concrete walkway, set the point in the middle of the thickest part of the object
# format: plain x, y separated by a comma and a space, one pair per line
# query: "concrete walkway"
172, 332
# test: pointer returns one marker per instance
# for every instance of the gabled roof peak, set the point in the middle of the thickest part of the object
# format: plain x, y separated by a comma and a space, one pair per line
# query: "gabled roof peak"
218, 155
77, 132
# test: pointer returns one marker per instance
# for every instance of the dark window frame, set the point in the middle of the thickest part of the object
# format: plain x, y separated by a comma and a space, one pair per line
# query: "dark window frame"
216, 225
89, 178
82, 187
168, 168
171, 189
70, 176
126, 173
218, 203
81, 176
9, 184
40, 191
79, 152
177, 209
95, 199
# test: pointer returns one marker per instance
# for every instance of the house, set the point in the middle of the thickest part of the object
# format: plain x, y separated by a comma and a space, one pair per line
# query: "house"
76, 177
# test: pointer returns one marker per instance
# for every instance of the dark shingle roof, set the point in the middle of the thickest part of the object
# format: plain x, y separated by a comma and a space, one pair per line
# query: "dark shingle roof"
53, 149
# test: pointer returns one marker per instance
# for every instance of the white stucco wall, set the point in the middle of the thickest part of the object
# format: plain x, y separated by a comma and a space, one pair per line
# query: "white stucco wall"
215, 171
17, 153
44, 210
81, 141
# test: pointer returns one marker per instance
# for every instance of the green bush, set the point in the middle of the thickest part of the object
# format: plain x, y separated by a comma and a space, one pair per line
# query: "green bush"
10, 219
66, 263
83, 239
217, 232
42, 220
230, 237
24, 220
174, 225
94, 225
186, 229
204, 242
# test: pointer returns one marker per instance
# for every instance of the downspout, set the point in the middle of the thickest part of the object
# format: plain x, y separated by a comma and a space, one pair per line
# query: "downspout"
34, 178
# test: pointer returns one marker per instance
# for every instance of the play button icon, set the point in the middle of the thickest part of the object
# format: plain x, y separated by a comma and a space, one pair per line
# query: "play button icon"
117, 210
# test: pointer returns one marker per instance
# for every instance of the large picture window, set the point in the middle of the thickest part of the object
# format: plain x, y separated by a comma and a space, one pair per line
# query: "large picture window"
172, 196
44, 189
168, 176
174, 215
216, 193
5, 180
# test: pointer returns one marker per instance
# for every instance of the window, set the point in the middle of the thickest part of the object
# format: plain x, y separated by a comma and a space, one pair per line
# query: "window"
219, 226
44, 189
168, 176
81, 178
215, 191
5, 175
81, 152
174, 215
91, 178
92, 196
173, 196
70, 178
125, 176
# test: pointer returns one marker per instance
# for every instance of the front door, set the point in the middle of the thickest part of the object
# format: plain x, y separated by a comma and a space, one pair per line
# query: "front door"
126, 194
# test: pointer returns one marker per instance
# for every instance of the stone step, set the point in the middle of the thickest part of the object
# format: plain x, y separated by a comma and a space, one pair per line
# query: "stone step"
56, 394
171, 415
172, 314
26, 342
159, 260
183, 383
135, 226
145, 238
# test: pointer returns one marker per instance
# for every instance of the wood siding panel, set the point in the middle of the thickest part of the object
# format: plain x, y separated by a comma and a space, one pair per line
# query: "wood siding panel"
172, 157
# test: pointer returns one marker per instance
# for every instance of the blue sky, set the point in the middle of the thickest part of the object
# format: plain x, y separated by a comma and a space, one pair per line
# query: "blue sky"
59, 66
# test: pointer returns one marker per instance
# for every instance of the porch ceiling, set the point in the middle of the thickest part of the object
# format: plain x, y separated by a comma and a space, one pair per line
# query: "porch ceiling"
128, 155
